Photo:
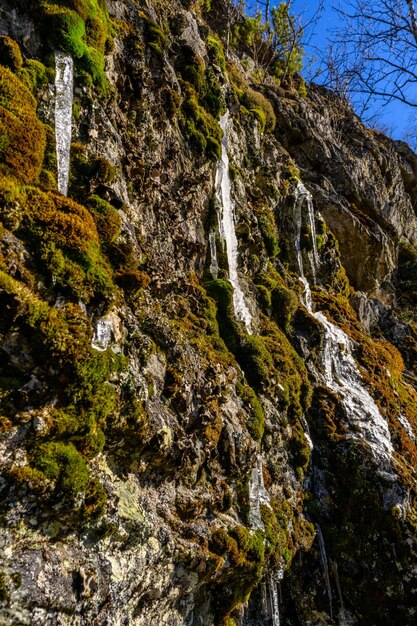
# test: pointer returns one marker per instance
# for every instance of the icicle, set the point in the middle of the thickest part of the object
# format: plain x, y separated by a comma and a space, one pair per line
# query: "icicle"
264, 599
227, 229
214, 266
63, 116
257, 135
257, 495
341, 615
301, 195
273, 596
325, 568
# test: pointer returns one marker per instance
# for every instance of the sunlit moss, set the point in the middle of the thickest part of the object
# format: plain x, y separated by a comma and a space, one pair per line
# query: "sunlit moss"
10, 55
22, 135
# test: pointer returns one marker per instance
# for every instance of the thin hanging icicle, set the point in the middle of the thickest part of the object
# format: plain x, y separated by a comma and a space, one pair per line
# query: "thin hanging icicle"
63, 116
227, 229
214, 266
301, 195
273, 596
257, 495
325, 569
342, 616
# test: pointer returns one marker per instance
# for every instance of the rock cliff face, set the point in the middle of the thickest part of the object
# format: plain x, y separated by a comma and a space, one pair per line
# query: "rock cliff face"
160, 463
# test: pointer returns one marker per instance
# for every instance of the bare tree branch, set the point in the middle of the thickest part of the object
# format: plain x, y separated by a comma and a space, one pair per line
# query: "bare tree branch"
374, 52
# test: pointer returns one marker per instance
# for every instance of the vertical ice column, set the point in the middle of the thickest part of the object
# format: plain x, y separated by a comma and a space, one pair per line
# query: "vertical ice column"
63, 116
214, 266
273, 598
257, 495
227, 229
325, 569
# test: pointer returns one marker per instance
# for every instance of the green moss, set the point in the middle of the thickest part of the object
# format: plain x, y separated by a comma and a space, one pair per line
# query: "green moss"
201, 128
299, 447
216, 52
155, 36
35, 75
245, 551
222, 292
171, 101
285, 304
67, 30
63, 464
256, 424
12, 203
95, 500
65, 241
213, 148
284, 301
256, 361
191, 67
211, 96
261, 108
106, 217
264, 297
10, 55
86, 167
23, 135
267, 227
83, 29
203, 102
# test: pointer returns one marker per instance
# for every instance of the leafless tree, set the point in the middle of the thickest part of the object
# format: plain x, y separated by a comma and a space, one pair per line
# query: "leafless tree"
374, 52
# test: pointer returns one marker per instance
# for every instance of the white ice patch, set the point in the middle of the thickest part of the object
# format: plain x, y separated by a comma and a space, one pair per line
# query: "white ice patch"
103, 334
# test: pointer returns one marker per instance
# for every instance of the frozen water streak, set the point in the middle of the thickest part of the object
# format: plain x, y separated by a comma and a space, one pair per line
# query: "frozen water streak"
340, 370
227, 229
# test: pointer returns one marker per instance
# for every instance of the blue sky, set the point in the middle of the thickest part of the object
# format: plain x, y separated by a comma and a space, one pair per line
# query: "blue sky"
395, 117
